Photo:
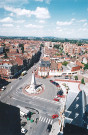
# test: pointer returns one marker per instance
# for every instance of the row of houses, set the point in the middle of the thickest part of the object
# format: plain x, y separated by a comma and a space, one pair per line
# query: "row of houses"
51, 68
51, 64
16, 61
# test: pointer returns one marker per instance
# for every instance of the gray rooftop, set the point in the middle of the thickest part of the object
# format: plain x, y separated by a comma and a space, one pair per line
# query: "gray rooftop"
75, 108
45, 63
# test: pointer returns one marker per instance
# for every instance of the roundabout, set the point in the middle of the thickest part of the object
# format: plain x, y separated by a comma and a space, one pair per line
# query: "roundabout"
33, 88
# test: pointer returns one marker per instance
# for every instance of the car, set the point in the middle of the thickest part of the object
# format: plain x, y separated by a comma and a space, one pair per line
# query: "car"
51, 81
3, 88
55, 116
57, 84
28, 115
23, 130
61, 96
56, 99
54, 83
66, 77
20, 78
49, 128
60, 92
23, 124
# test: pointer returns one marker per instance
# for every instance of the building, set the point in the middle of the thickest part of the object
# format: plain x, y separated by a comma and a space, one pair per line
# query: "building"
71, 49
1, 49
9, 120
73, 67
76, 114
8, 68
44, 67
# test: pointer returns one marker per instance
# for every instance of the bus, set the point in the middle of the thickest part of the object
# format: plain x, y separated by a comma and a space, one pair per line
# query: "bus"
24, 73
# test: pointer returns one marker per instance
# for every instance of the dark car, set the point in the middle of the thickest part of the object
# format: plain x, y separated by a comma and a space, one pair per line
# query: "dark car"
20, 78
57, 84
66, 77
60, 92
28, 115
23, 124
49, 128
51, 81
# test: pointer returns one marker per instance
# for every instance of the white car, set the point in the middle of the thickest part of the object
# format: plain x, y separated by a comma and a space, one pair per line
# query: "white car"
3, 88
23, 130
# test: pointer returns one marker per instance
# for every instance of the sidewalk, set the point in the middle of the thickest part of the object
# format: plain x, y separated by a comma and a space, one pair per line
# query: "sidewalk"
55, 128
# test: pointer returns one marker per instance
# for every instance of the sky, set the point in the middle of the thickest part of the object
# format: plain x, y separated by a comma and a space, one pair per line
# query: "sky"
42, 18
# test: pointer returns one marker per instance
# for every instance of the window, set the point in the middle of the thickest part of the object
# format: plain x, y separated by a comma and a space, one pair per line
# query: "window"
76, 114
77, 105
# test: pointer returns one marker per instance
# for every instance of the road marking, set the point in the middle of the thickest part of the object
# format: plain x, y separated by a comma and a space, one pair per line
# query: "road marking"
47, 100
41, 119
51, 122
46, 120
38, 98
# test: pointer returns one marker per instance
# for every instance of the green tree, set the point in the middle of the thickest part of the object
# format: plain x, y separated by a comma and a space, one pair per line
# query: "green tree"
79, 44
22, 47
82, 81
76, 77
42, 45
65, 63
5, 55
85, 66
57, 46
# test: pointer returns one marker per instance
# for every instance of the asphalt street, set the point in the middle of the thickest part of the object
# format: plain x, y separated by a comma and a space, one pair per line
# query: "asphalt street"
43, 102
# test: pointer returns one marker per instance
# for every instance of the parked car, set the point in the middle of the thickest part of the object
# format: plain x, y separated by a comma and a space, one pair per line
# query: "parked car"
60, 92
23, 130
61, 96
66, 77
51, 81
55, 116
3, 88
23, 124
20, 78
49, 128
57, 84
28, 115
56, 99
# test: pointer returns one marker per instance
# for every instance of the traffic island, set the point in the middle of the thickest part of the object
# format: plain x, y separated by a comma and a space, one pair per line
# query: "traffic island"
33, 88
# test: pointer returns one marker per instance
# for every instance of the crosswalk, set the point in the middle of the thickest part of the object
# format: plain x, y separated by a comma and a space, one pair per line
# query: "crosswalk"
46, 120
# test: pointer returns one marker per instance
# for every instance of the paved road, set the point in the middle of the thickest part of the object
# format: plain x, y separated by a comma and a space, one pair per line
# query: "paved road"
43, 103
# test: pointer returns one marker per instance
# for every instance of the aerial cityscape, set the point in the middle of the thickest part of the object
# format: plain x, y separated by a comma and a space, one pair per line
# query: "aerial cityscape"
44, 67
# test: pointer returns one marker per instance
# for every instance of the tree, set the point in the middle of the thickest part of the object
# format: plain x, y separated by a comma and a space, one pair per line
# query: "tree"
65, 63
79, 44
5, 55
22, 47
82, 81
42, 45
85, 66
76, 77
57, 46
